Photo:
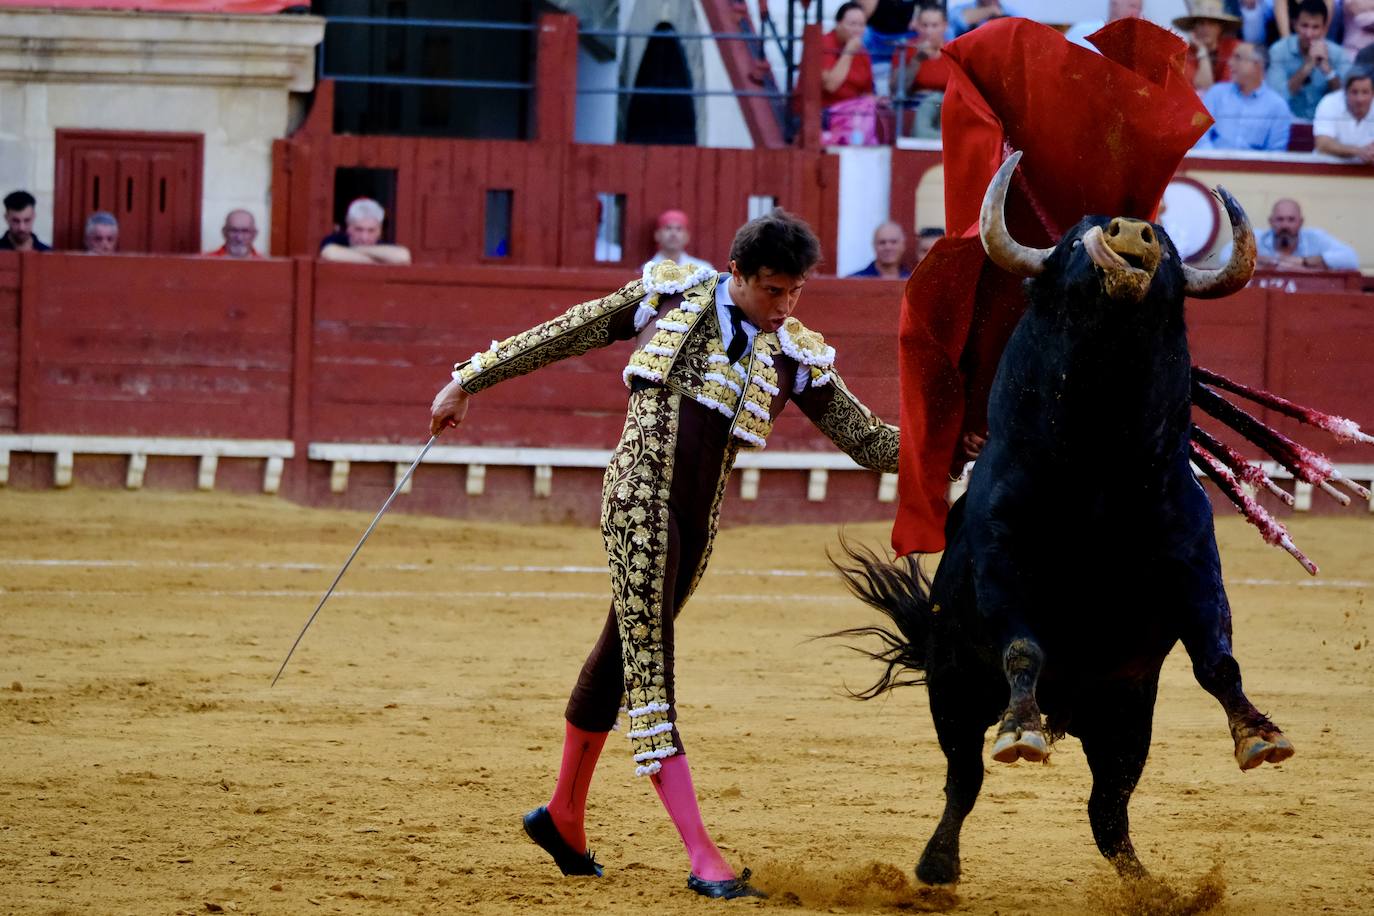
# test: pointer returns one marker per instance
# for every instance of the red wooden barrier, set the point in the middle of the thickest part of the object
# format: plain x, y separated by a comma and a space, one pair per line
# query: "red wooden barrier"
314, 352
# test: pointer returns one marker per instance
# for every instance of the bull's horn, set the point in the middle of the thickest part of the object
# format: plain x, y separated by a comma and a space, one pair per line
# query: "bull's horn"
1213, 284
1005, 251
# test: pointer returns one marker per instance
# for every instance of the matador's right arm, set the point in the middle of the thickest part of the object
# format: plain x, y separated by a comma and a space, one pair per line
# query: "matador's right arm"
583, 327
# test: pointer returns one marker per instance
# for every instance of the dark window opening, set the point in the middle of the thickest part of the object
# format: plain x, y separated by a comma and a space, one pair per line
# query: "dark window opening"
665, 119
498, 216
362, 57
378, 184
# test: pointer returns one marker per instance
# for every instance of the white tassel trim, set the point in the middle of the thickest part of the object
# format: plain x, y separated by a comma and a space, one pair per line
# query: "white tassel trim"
658, 729
741, 433
700, 275
718, 358
476, 361
642, 372
765, 386
756, 410
666, 325
764, 358
658, 754
714, 404
659, 351
650, 708
822, 360
644, 314
717, 377
690, 307
823, 379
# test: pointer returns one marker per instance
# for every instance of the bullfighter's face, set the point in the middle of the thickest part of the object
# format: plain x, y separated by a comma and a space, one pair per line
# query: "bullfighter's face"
767, 298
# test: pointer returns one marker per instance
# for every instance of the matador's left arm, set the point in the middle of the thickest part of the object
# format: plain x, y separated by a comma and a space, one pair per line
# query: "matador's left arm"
844, 419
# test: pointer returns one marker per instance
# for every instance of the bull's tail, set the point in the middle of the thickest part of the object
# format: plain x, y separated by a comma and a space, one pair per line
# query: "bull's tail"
901, 591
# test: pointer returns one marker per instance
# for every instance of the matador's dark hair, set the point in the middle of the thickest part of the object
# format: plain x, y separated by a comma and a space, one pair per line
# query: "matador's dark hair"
777, 240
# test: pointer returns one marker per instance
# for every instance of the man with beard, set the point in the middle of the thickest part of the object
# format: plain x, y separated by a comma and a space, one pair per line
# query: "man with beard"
1289, 245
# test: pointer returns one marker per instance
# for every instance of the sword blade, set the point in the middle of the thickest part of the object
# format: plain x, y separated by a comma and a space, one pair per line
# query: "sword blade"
380, 512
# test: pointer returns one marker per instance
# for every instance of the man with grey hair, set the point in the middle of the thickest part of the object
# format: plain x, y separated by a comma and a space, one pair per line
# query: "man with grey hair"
102, 233
240, 229
361, 241
889, 244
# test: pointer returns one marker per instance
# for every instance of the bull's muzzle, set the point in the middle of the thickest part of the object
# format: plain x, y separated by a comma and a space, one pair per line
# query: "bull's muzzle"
1127, 252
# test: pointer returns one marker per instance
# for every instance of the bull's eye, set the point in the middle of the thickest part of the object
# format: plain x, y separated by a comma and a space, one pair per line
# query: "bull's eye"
1147, 236
1076, 243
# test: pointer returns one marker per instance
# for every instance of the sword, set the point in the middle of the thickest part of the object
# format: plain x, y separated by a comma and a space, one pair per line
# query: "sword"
380, 512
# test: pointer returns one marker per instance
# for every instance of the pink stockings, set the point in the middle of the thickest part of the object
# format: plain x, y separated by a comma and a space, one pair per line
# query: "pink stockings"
673, 783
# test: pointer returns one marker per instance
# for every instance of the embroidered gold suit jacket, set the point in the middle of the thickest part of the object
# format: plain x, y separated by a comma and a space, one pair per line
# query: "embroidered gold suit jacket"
685, 354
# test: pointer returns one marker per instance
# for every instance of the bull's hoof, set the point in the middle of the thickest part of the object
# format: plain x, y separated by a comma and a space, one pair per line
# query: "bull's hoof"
1265, 747
937, 869
1012, 746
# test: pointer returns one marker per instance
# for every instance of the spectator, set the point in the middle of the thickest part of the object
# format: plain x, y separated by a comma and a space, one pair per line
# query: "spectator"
1365, 59
1210, 45
890, 24
102, 233
921, 63
1256, 18
19, 224
1304, 66
851, 108
1359, 25
925, 240
1116, 9
1343, 126
1288, 245
1286, 14
967, 16
889, 241
671, 236
240, 229
361, 241
1248, 114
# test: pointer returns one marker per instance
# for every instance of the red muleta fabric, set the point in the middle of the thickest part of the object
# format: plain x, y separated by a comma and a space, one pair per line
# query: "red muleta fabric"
1102, 134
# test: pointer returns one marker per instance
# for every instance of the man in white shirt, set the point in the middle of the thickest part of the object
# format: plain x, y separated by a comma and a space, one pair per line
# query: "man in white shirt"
671, 236
1342, 125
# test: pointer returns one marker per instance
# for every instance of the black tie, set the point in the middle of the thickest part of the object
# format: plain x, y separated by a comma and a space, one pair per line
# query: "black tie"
738, 339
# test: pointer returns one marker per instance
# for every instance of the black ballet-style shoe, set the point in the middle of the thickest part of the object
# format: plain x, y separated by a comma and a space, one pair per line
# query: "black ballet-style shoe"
540, 827
728, 889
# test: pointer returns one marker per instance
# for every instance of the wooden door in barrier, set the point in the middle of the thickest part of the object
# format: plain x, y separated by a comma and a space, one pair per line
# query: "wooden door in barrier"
151, 182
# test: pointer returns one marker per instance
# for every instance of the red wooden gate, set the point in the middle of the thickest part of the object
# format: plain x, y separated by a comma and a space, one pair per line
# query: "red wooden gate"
151, 182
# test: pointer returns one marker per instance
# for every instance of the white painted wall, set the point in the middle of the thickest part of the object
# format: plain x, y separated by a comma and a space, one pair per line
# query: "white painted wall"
865, 182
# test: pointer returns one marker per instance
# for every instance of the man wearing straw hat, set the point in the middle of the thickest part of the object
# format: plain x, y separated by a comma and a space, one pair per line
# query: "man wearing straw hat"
1211, 38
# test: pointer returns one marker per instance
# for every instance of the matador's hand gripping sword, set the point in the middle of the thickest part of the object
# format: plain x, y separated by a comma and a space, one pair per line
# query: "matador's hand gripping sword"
380, 512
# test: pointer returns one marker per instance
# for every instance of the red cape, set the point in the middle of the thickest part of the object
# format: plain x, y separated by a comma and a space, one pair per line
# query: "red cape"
1102, 134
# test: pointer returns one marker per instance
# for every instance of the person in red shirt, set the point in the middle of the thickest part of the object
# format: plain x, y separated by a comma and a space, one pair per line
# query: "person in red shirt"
1211, 40
922, 65
240, 229
846, 70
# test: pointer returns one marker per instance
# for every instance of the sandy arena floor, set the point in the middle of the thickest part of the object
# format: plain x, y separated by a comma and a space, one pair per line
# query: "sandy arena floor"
147, 766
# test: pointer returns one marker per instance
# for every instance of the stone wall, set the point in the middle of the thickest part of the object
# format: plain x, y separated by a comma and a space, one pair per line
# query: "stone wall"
232, 78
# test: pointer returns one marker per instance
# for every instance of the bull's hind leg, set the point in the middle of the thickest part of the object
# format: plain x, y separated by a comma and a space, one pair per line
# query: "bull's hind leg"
1021, 734
1258, 740
961, 711
1116, 740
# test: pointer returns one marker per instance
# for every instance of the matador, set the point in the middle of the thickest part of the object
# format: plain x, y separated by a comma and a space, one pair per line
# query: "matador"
716, 358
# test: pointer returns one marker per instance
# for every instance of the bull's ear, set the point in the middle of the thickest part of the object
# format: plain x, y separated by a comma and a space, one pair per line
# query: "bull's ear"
1213, 284
1005, 251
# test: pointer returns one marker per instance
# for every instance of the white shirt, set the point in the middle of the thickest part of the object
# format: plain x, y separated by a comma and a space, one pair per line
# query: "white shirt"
727, 330
1333, 119
686, 260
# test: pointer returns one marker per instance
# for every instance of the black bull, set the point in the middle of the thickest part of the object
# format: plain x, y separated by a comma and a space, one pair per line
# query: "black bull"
1084, 547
